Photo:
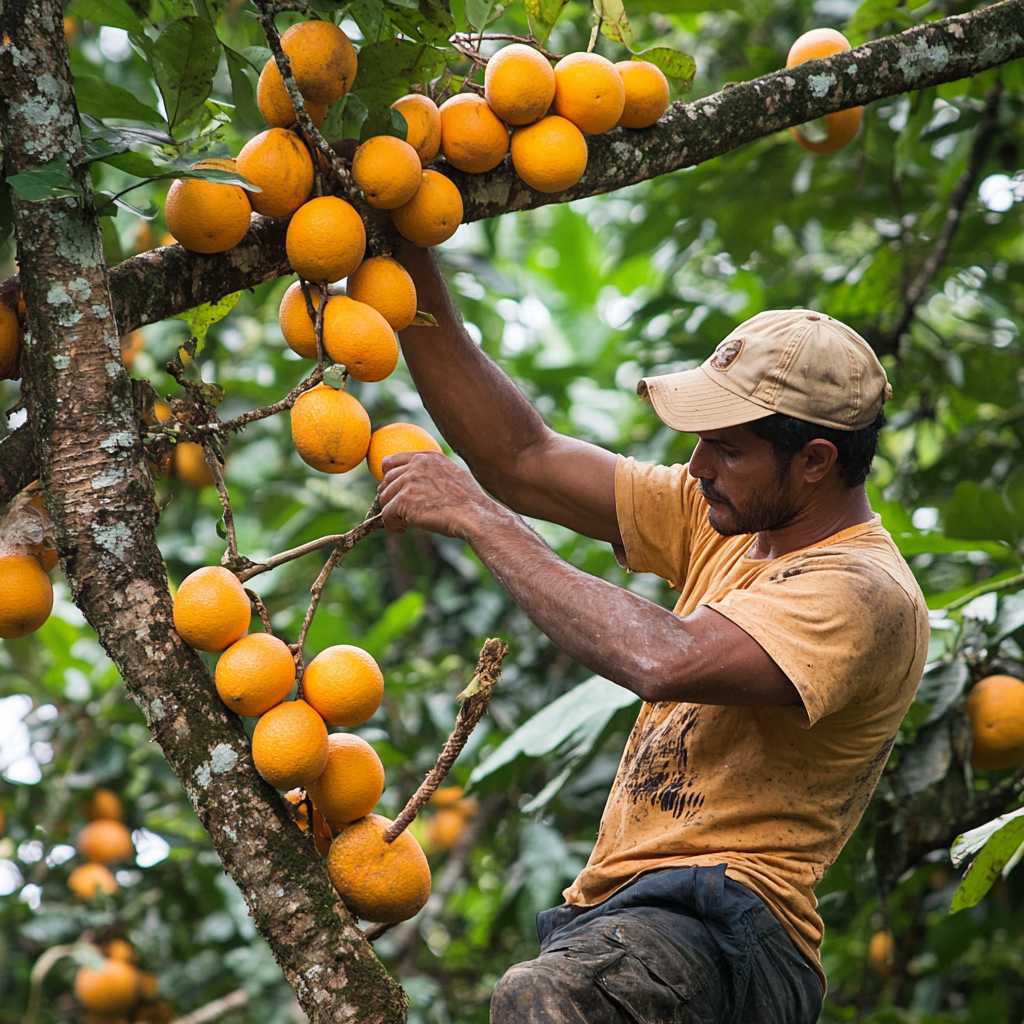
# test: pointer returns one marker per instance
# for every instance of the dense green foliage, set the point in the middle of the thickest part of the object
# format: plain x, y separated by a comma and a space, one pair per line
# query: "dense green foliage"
576, 303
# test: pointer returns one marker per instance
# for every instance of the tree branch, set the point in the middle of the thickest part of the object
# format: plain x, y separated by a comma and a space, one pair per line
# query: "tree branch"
236, 1000
18, 464
167, 281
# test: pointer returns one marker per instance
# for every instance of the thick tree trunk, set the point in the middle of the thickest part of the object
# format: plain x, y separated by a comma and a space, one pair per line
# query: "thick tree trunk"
100, 494
167, 281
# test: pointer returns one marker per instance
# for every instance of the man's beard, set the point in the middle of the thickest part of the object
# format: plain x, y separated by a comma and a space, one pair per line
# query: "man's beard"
767, 510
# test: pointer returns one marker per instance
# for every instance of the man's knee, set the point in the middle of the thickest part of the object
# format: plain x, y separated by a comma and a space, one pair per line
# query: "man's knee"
553, 988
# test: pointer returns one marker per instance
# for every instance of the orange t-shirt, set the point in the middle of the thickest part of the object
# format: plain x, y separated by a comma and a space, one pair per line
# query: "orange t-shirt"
773, 793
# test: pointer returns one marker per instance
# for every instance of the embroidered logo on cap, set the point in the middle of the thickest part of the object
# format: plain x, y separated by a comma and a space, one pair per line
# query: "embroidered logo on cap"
726, 354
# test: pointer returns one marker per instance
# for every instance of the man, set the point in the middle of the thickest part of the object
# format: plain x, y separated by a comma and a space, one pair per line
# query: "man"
773, 692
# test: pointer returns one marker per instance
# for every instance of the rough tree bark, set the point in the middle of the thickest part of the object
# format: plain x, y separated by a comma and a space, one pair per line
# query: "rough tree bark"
100, 495
167, 281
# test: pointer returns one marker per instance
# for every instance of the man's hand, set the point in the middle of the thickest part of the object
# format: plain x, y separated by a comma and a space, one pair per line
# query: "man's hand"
428, 490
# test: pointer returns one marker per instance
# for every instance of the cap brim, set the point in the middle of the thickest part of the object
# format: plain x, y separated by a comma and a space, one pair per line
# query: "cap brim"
691, 402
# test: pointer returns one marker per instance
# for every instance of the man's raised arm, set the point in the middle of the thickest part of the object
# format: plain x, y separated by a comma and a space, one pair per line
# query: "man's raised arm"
489, 422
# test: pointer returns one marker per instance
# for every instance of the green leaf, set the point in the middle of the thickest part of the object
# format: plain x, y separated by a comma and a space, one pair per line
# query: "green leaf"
115, 202
676, 64
480, 13
104, 99
396, 620
136, 164
384, 121
542, 15
335, 376
201, 317
127, 135
388, 69
422, 19
941, 687
873, 13
368, 15
614, 23
208, 10
353, 113
996, 842
184, 60
115, 13
976, 512
257, 56
50, 181
242, 89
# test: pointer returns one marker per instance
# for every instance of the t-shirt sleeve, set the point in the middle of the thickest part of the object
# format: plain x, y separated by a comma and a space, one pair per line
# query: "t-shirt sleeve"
839, 628
654, 509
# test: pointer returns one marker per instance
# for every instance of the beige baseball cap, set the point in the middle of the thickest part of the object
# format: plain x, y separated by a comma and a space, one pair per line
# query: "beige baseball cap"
792, 361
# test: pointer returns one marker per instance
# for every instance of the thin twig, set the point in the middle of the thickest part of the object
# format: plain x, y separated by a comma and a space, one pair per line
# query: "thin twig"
475, 699
236, 1000
375, 931
457, 39
40, 969
261, 610
962, 191
319, 327
231, 552
986, 588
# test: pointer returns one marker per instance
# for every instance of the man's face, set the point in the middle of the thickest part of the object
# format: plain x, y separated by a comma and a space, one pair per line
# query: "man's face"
742, 483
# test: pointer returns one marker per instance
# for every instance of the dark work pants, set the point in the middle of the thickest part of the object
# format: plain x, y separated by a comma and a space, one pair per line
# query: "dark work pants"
677, 946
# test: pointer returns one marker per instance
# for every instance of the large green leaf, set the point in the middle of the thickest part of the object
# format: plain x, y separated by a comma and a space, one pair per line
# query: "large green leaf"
422, 19
614, 23
50, 181
185, 59
542, 15
388, 69
480, 13
115, 13
674, 63
243, 92
104, 99
976, 512
996, 844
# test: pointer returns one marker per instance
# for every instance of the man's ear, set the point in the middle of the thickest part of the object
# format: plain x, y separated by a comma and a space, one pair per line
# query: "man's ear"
816, 459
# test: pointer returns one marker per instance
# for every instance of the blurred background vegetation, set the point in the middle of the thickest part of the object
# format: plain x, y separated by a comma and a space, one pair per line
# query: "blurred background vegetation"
576, 302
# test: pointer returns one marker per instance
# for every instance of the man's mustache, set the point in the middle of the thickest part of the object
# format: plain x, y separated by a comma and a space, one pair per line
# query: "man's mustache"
711, 494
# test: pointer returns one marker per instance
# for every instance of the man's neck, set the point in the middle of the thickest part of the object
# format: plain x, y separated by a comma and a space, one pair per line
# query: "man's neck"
823, 516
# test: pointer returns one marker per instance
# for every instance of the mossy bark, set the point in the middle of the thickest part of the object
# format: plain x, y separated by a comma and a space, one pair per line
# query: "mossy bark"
99, 492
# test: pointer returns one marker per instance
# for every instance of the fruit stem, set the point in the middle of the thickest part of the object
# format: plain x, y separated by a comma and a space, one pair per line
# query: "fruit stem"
261, 610
474, 707
231, 552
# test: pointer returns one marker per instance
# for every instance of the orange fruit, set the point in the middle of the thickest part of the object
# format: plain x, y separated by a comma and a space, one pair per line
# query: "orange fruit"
103, 804
995, 707
211, 609
104, 840
149, 985
378, 881
191, 466
326, 239
472, 137
842, 125
26, 596
88, 879
387, 170
254, 674
205, 216
344, 685
120, 949
384, 284
289, 745
110, 989
10, 344
352, 780
881, 950
589, 92
423, 121
277, 162
359, 338
446, 796
519, 84
550, 155
395, 438
330, 429
445, 827
323, 60
276, 105
298, 330
646, 93
433, 215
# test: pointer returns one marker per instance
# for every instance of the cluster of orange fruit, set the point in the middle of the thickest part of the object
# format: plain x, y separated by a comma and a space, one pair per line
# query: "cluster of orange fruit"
27, 556
291, 748
843, 125
117, 986
104, 840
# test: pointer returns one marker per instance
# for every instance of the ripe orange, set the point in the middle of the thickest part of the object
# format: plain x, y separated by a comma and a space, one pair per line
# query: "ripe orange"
378, 881
384, 284
881, 950
995, 707
26, 596
111, 989
254, 674
323, 60
298, 330
211, 609
472, 137
387, 170
330, 429
423, 121
433, 215
120, 949
843, 125
444, 828
519, 84
289, 745
277, 162
88, 879
326, 239
352, 780
205, 216
344, 685
395, 438
446, 796
550, 155
276, 105
646, 93
104, 840
10, 344
191, 466
103, 804
589, 92
359, 338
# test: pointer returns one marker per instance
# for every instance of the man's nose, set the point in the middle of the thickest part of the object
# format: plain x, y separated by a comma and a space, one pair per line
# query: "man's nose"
700, 463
